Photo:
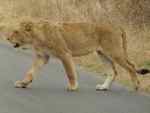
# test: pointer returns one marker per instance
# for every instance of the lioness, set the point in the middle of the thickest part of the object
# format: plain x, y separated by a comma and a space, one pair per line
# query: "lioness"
68, 40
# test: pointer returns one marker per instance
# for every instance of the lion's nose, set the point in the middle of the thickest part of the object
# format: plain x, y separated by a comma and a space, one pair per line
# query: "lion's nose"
16, 45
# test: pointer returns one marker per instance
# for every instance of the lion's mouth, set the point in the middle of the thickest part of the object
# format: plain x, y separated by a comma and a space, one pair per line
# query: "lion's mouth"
16, 45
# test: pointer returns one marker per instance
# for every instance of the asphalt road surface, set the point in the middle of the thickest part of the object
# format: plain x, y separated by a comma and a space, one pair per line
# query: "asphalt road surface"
48, 95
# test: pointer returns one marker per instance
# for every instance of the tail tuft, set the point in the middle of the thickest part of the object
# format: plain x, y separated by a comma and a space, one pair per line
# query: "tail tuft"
143, 71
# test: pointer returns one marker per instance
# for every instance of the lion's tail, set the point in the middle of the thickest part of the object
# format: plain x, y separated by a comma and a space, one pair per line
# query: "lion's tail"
124, 40
142, 71
124, 43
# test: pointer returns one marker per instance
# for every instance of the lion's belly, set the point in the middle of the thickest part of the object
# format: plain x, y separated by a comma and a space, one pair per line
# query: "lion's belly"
80, 38
81, 44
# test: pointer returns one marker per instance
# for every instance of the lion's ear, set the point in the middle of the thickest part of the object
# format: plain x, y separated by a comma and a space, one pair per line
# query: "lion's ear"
26, 26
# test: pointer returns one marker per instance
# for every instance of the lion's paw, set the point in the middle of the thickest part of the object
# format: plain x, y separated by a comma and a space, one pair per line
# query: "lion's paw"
72, 88
100, 87
22, 84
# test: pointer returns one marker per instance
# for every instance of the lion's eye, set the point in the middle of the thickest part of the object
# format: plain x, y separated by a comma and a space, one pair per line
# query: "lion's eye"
16, 32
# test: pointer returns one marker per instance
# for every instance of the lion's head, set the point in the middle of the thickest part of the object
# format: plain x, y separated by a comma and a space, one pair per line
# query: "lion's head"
22, 35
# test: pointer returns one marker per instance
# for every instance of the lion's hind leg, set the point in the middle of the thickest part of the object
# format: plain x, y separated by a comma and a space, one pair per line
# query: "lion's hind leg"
128, 66
110, 77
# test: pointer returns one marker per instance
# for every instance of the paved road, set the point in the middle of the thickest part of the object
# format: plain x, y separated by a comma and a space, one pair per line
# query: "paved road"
47, 94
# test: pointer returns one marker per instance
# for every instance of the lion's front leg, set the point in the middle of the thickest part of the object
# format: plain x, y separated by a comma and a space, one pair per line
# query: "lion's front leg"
71, 72
37, 64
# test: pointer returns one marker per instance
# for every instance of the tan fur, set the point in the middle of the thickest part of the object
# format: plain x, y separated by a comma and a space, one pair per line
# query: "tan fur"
68, 40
